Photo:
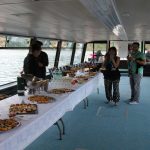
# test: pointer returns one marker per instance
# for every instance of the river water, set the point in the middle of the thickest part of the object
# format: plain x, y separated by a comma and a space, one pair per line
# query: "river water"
11, 63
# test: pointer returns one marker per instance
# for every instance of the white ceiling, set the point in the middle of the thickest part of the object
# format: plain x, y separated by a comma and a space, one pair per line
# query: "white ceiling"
75, 20
135, 18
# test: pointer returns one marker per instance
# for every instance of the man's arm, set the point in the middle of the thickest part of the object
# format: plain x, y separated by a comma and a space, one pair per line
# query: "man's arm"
29, 67
141, 62
43, 60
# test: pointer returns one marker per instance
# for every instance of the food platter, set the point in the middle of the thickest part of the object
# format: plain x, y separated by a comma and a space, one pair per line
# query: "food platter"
18, 109
60, 91
83, 77
8, 124
3, 96
41, 99
92, 73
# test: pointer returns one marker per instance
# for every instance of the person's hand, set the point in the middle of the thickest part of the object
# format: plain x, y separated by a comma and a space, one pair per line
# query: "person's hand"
130, 58
111, 57
21, 72
40, 64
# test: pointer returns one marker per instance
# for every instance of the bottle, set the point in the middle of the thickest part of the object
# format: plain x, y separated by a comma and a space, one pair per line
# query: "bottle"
59, 74
56, 74
20, 86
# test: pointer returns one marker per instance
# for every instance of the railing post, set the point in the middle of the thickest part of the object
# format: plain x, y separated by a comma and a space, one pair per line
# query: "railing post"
57, 53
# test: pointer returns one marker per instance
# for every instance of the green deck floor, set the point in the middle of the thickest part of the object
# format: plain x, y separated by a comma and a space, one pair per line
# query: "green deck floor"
102, 126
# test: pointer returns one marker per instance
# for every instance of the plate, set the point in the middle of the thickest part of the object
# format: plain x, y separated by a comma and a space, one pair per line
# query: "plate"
25, 117
60, 91
41, 99
8, 125
3, 96
19, 109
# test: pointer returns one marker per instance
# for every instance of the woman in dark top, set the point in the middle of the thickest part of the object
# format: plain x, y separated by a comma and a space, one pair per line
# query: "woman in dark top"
112, 75
36, 61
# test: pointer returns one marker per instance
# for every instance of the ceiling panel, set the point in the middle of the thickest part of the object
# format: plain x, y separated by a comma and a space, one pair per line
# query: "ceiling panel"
135, 18
65, 19
74, 19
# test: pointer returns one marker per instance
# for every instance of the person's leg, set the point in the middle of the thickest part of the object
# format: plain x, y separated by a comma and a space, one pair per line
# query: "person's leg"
108, 89
137, 81
116, 93
132, 87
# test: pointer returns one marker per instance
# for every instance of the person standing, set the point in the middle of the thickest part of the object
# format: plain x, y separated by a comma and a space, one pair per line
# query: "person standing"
98, 55
36, 61
42, 61
136, 61
112, 75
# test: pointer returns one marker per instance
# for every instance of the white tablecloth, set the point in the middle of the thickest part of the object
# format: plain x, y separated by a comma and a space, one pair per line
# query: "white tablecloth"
32, 126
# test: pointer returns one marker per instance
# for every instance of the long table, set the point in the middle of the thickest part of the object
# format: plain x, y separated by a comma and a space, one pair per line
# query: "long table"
32, 126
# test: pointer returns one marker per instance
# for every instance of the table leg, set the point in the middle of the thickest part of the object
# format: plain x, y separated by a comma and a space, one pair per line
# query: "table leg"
63, 125
84, 103
59, 129
97, 90
87, 102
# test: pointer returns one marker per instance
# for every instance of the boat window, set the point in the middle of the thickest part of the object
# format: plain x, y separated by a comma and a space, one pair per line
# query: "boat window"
50, 47
46, 42
94, 50
14, 41
78, 53
89, 52
2, 41
122, 47
65, 53
53, 44
147, 48
147, 51
13, 65
100, 47
11, 61
17, 50
51, 52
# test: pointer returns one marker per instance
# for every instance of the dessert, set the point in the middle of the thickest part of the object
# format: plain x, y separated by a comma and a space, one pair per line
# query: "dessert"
22, 109
8, 124
60, 90
3, 96
41, 99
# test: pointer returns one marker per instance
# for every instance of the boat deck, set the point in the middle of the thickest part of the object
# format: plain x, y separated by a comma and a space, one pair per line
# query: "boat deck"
103, 126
